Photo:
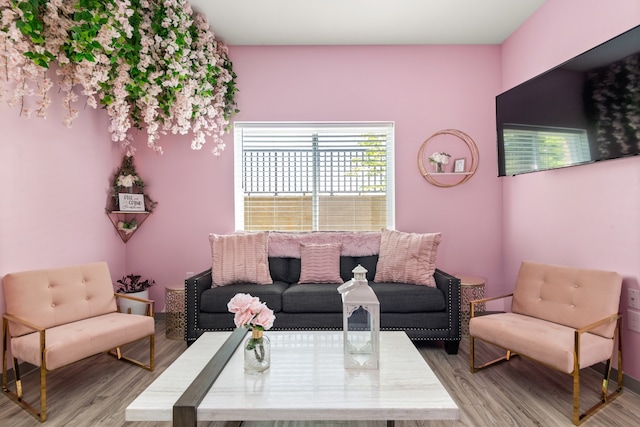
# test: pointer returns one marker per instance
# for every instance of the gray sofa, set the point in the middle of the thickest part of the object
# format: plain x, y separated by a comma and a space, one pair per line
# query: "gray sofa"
424, 313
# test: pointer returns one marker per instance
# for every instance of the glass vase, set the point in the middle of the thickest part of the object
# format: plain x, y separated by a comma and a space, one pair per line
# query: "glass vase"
439, 168
257, 353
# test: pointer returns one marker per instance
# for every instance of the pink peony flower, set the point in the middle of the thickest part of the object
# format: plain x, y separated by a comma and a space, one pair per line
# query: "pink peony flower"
242, 318
264, 318
250, 312
242, 302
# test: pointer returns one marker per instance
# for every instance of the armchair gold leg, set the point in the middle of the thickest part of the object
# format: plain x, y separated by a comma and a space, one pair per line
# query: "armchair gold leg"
604, 397
508, 355
117, 353
18, 395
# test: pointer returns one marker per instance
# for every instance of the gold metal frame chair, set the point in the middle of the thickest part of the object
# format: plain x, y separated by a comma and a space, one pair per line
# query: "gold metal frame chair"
17, 396
605, 397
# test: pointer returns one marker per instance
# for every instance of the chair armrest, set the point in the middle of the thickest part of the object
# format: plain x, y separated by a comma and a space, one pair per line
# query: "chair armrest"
12, 318
483, 300
600, 322
6, 318
148, 302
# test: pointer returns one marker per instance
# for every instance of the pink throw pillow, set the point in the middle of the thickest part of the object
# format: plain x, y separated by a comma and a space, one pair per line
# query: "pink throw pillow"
407, 258
320, 263
240, 258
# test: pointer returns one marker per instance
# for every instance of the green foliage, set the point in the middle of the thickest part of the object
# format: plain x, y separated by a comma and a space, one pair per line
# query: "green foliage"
373, 162
132, 283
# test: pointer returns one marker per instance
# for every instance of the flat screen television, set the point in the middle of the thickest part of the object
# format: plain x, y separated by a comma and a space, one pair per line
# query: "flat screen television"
583, 111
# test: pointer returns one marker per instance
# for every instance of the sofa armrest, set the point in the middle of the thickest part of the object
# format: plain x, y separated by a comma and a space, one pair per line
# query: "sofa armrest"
450, 286
194, 287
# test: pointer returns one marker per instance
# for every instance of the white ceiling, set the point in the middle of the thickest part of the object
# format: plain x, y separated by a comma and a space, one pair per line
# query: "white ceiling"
360, 22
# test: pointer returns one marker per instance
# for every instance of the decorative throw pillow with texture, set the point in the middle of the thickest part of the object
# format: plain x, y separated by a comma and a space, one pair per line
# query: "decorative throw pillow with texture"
240, 258
320, 263
407, 258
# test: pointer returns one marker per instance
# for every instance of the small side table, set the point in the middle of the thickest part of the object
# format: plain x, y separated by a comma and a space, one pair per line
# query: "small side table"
471, 288
174, 300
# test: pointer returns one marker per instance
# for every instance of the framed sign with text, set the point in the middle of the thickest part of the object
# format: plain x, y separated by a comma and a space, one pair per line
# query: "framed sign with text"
131, 202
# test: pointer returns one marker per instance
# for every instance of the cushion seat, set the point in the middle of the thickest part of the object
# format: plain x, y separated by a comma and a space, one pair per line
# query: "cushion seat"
312, 298
541, 340
408, 298
70, 342
215, 300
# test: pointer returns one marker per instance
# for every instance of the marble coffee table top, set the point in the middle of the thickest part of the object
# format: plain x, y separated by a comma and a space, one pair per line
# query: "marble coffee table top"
307, 381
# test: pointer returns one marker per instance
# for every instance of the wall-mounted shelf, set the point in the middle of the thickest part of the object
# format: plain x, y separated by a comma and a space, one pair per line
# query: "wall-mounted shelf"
120, 220
432, 177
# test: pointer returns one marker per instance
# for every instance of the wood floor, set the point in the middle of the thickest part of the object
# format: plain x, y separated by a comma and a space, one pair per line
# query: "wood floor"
96, 391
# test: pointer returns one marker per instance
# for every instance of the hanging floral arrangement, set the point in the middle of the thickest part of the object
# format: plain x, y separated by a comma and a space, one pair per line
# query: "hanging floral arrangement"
152, 64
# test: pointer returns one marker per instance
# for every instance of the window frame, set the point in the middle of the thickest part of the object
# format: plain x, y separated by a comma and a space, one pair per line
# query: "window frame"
239, 194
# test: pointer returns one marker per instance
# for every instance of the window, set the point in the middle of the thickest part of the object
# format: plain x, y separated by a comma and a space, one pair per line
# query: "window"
314, 176
531, 148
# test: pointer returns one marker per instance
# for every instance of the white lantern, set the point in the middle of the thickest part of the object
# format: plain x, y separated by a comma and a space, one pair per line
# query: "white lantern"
360, 322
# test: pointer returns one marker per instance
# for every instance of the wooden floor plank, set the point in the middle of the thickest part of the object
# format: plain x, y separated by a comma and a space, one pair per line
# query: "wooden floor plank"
96, 391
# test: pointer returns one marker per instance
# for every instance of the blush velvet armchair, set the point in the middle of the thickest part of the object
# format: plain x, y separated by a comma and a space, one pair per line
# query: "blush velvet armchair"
59, 316
563, 317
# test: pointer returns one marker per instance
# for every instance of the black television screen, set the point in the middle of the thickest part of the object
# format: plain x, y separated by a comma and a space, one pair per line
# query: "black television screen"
583, 111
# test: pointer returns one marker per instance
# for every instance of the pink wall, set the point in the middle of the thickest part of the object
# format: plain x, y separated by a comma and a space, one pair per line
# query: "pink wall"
53, 183
585, 216
422, 89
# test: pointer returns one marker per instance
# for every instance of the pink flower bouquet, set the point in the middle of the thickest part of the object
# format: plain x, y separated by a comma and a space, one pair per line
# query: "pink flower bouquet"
254, 315
250, 313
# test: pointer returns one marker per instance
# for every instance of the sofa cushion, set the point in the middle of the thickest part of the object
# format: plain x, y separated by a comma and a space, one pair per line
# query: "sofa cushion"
320, 263
393, 297
407, 298
215, 300
407, 257
240, 258
347, 264
354, 243
279, 269
312, 298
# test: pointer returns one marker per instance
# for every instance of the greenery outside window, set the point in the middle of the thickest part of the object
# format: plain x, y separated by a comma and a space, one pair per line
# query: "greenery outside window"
314, 176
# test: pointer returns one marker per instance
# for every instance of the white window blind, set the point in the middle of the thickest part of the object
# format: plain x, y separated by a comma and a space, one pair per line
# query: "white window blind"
531, 148
314, 176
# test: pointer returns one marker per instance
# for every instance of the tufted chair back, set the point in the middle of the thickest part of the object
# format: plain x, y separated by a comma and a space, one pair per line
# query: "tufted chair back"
57, 296
567, 295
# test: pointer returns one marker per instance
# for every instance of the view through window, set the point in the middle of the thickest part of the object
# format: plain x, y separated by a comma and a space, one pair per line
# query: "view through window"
314, 176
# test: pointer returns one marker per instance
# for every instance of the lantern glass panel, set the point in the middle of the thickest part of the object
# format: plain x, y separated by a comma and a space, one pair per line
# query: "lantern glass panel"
360, 330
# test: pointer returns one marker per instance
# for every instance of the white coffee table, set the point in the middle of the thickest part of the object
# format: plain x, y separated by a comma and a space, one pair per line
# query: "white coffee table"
307, 381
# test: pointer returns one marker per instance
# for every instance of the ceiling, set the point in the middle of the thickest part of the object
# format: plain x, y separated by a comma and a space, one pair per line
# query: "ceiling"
364, 22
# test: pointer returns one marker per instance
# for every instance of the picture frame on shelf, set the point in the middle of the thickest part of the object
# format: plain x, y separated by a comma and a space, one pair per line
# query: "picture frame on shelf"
130, 202
459, 165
